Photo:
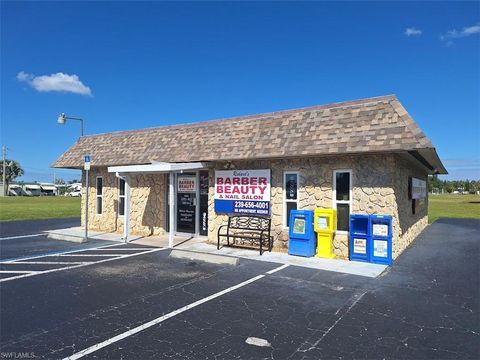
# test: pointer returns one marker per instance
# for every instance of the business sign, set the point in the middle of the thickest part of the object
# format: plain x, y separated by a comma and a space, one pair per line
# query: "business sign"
242, 192
418, 188
86, 162
186, 184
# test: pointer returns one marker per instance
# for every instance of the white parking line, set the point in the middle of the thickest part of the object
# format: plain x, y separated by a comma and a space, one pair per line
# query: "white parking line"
48, 262
98, 255
117, 257
16, 272
56, 253
20, 237
130, 249
162, 318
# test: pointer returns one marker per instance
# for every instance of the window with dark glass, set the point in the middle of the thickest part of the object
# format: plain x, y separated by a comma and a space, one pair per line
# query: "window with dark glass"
290, 182
121, 197
342, 199
343, 186
99, 195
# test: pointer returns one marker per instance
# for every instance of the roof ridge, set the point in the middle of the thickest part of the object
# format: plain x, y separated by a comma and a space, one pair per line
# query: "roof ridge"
200, 123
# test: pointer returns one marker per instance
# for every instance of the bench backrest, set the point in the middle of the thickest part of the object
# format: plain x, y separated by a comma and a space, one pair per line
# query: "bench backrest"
244, 222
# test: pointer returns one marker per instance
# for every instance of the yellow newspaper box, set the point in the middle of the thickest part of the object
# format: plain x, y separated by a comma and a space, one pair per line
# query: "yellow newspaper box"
325, 222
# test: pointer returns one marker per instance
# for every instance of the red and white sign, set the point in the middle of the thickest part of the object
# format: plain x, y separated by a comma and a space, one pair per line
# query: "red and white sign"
186, 184
242, 185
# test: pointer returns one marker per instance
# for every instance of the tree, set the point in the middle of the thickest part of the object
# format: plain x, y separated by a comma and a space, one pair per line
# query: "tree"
59, 181
12, 171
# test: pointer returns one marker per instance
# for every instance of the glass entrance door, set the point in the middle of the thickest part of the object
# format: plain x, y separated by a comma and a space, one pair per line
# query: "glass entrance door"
203, 213
186, 203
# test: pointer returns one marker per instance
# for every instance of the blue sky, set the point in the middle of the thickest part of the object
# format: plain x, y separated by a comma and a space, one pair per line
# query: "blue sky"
123, 65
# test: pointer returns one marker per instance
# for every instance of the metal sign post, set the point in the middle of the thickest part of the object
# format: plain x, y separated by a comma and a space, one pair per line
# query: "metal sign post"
86, 167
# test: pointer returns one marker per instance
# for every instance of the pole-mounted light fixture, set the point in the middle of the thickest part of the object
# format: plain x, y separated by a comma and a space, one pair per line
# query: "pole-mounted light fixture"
62, 119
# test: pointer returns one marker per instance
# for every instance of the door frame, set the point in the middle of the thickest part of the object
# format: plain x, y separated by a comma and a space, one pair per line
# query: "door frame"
197, 203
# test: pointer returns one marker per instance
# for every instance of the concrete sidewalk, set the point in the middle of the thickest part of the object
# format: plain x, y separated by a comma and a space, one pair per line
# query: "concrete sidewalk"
341, 266
77, 234
200, 245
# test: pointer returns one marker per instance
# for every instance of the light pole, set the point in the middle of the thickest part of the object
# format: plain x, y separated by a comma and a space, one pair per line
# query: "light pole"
62, 119
4, 156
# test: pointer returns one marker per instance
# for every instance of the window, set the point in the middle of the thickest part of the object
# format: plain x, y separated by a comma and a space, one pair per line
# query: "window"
342, 197
121, 197
290, 195
99, 194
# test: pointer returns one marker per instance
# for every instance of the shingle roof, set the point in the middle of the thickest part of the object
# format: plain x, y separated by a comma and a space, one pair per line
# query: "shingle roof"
367, 125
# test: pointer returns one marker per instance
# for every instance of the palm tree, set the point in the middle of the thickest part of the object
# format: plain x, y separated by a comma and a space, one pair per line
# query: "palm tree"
12, 171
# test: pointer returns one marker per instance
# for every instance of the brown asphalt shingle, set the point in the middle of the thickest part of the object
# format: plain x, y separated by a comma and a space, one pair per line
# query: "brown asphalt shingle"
374, 124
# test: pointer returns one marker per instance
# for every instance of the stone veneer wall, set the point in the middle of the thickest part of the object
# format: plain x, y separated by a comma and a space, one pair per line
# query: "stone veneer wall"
408, 225
147, 206
380, 186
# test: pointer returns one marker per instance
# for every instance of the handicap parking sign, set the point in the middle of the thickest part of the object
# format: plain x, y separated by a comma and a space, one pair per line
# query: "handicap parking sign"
87, 159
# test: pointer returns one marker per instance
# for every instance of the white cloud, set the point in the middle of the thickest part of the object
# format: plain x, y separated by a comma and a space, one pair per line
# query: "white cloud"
412, 31
55, 82
22, 76
456, 34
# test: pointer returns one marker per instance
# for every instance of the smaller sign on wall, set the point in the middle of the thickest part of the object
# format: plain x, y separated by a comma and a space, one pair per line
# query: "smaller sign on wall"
418, 188
186, 184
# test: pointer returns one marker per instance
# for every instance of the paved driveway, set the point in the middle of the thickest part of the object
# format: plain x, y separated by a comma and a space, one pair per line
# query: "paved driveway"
18, 228
153, 306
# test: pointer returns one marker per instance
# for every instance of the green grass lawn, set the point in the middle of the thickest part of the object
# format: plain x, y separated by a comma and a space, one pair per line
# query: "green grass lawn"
44, 207
453, 206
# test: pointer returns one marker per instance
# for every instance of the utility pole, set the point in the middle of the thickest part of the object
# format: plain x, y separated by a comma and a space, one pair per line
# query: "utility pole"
4, 155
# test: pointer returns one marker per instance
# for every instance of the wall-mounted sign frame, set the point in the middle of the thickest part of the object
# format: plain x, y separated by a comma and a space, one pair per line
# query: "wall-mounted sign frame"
417, 188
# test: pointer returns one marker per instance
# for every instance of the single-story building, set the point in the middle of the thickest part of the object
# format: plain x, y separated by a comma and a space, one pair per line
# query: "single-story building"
356, 157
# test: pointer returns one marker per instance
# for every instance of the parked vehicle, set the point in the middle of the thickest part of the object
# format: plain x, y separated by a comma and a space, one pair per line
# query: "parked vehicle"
75, 193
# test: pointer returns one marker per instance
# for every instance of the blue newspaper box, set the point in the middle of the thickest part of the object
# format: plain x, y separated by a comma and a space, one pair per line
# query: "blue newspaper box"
381, 242
360, 238
302, 238
360, 224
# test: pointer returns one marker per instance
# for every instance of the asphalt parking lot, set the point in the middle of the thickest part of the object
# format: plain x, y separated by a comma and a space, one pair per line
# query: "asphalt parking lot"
135, 302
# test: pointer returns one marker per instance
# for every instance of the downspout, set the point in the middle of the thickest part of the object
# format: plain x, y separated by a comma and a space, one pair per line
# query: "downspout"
126, 218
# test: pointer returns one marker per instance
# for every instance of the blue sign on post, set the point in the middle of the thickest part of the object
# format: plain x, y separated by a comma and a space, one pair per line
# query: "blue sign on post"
86, 160
242, 192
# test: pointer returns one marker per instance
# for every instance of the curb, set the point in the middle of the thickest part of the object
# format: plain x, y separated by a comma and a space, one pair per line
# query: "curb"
200, 256
71, 238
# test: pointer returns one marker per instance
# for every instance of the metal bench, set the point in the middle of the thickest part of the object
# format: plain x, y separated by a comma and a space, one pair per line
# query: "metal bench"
243, 229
